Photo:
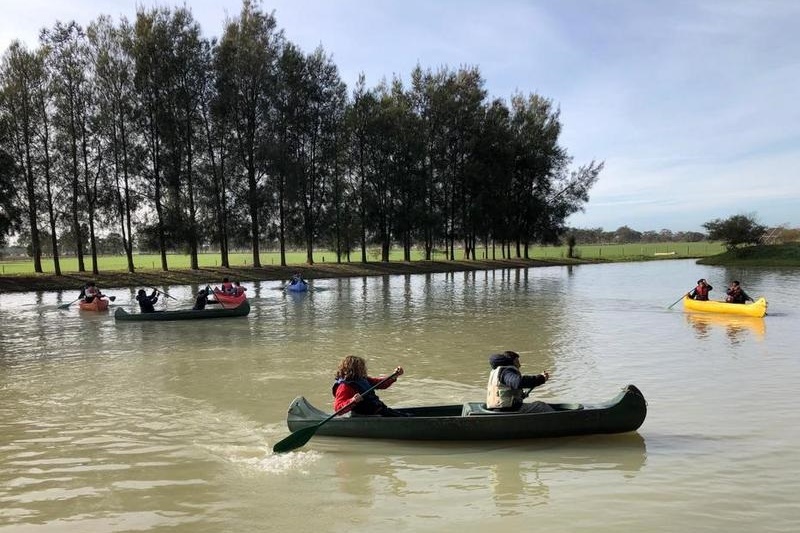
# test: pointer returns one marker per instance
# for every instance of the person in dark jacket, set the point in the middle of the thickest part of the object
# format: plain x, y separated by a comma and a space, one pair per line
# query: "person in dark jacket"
146, 302
701, 291
736, 294
201, 300
504, 392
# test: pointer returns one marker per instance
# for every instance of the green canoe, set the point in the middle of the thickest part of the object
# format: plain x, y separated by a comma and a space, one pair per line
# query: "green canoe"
120, 315
472, 421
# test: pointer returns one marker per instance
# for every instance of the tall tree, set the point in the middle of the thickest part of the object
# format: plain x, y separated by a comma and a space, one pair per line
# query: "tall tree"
322, 102
245, 66
359, 116
113, 67
9, 212
19, 72
154, 83
191, 59
69, 70
42, 98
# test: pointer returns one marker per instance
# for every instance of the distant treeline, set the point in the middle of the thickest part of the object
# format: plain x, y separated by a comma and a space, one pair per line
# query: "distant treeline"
626, 235
169, 140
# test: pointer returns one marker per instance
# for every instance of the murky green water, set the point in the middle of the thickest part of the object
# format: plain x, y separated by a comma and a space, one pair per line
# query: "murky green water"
169, 427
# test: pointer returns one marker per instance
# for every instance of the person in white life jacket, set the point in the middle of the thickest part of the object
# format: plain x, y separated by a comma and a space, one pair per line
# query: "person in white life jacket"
90, 292
505, 390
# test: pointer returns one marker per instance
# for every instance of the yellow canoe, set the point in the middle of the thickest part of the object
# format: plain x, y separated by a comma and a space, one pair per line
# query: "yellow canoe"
757, 308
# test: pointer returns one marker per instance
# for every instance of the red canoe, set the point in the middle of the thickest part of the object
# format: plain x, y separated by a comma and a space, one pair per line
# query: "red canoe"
229, 300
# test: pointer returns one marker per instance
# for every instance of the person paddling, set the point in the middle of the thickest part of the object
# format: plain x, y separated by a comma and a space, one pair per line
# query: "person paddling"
736, 294
201, 300
504, 390
701, 291
146, 303
351, 381
90, 292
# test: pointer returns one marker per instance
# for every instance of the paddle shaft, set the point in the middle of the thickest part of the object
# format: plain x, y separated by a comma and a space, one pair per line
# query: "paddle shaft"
676, 301
65, 306
301, 436
164, 293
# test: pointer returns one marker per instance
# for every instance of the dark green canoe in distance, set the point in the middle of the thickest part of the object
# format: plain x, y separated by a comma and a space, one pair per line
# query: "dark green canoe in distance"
120, 315
471, 421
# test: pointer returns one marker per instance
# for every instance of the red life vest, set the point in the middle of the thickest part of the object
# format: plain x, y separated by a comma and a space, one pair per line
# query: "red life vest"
701, 292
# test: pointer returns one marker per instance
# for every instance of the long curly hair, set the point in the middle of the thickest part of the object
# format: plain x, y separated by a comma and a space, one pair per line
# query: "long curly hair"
352, 368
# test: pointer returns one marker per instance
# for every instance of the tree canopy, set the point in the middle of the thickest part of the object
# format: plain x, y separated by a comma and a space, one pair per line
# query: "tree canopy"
735, 231
172, 141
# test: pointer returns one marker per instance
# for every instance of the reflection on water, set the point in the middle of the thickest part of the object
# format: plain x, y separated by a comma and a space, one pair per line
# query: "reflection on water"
513, 476
736, 328
170, 426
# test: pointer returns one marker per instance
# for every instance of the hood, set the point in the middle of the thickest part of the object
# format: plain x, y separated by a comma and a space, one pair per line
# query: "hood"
501, 359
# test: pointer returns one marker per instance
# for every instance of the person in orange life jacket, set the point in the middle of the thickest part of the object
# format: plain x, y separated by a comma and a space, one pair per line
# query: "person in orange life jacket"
701, 291
504, 392
90, 292
146, 302
736, 294
351, 381
227, 286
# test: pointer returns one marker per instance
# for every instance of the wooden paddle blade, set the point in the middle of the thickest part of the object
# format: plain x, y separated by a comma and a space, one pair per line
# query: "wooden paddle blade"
295, 440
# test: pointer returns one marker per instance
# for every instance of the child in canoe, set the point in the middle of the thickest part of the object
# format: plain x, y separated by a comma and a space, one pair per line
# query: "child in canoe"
351, 382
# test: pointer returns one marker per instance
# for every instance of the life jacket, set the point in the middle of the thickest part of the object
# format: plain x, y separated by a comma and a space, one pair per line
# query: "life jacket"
369, 404
227, 287
500, 395
736, 296
89, 293
701, 292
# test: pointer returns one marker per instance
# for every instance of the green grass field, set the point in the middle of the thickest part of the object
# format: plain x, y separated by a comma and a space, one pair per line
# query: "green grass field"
610, 252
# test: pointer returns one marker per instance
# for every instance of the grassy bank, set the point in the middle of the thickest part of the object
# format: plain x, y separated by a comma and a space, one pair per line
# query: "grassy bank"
213, 275
18, 275
602, 252
776, 255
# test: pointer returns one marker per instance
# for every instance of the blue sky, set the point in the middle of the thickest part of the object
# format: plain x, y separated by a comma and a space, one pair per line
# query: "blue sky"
693, 105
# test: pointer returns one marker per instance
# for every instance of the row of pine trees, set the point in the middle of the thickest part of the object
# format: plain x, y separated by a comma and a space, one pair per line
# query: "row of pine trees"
173, 141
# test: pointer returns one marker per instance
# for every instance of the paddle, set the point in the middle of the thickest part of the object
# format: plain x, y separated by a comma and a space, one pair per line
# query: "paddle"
164, 293
66, 306
301, 436
676, 301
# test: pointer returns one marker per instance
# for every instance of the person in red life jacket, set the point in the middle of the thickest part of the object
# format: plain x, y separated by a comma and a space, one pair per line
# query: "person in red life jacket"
736, 294
701, 291
504, 392
349, 386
